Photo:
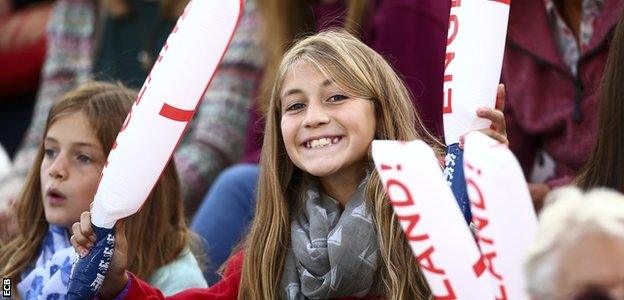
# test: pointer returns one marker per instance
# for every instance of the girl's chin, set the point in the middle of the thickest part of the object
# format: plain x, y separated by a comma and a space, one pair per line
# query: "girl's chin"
330, 166
322, 170
60, 221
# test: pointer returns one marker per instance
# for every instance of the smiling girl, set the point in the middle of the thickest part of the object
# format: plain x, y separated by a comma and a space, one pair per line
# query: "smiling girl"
61, 185
324, 227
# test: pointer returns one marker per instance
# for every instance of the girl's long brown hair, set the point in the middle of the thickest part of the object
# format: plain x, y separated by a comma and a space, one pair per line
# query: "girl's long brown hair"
363, 73
156, 235
605, 164
280, 30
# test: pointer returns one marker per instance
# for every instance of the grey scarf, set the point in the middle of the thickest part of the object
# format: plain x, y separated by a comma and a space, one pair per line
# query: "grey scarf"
332, 254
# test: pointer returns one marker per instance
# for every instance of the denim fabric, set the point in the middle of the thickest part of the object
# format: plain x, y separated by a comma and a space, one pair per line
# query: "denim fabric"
224, 216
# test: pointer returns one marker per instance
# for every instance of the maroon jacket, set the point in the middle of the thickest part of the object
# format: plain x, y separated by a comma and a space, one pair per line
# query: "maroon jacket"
542, 94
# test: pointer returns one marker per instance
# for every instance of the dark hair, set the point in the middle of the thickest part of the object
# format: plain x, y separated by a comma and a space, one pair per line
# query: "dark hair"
605, 165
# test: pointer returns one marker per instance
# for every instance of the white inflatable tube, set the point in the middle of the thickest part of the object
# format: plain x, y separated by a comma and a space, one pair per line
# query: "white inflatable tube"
431, 220
473, 61
502, 212
164, 107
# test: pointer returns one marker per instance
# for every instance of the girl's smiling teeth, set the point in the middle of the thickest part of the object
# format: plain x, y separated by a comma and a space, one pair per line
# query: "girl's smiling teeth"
322, 142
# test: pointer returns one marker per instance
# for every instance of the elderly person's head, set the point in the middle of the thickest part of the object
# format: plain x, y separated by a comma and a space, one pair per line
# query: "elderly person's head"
578, 252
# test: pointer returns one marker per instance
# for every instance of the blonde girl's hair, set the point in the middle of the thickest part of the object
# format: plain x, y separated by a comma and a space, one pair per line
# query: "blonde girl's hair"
157, 235
360, 72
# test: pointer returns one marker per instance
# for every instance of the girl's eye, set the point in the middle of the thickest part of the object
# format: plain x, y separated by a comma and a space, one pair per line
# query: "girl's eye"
337, 98
295, 106
49, 153
84, 159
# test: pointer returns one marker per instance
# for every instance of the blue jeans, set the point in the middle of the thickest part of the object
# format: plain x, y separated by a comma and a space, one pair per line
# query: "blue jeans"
224, 216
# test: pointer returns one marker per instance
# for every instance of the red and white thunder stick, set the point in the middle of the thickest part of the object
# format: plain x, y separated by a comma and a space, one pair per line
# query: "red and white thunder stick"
164, 107
431, 220
502, 211
473, 61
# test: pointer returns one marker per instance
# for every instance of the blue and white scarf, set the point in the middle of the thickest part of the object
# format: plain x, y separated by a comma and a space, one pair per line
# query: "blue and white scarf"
50, 276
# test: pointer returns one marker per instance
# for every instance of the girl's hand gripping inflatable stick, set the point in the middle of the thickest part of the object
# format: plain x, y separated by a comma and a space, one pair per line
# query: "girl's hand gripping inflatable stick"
162, 111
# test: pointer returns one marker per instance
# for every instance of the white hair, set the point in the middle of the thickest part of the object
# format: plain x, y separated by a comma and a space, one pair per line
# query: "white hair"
569, 216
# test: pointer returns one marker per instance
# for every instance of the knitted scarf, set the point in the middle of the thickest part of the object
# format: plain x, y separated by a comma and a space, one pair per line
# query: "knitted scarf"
333, 254
50, 276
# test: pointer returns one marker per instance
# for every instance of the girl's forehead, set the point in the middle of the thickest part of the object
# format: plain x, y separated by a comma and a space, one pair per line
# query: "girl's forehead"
72, 116
307, 79
73, 126
302, 68
308, 72
75, 117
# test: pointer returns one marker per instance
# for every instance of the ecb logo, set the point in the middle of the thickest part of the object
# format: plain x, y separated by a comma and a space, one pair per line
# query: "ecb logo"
6, 287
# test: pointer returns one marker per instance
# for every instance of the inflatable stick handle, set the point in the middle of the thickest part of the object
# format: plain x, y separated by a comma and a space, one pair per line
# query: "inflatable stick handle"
88, 272
454, 174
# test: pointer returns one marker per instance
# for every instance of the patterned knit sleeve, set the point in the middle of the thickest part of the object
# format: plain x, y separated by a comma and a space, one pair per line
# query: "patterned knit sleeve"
216, 136
68, 61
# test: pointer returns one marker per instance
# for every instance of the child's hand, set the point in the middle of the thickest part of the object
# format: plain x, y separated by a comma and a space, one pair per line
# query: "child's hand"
83, 239
498, 129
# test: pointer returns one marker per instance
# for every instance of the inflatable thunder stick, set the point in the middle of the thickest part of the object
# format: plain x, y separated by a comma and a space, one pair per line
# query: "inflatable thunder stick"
433, 224
164, 107
472, 67
502, 212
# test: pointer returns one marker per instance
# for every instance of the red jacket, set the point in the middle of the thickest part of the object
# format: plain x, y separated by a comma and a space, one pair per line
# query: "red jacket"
22, 49
541, 90
227, 288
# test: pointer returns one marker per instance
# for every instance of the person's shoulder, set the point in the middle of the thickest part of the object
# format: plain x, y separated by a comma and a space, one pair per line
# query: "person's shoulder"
228, 286
234, 264
180, 274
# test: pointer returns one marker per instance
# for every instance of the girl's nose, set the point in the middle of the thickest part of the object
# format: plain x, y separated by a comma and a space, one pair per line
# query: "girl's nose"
58, 170
315, 116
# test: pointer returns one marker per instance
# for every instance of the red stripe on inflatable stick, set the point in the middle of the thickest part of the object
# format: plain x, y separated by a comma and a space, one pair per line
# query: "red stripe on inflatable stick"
508, 2
175, 113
